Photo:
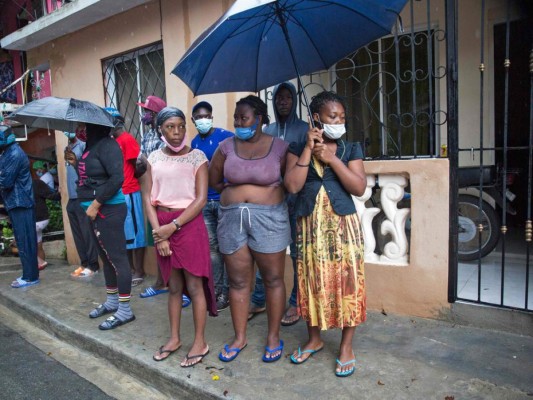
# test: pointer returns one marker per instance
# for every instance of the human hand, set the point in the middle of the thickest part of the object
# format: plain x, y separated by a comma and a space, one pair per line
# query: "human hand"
323, 153
314, 135
163, 248
93, 210
163, 232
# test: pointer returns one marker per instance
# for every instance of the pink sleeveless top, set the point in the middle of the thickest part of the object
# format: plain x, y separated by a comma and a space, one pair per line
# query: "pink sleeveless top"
174, 178
265, 171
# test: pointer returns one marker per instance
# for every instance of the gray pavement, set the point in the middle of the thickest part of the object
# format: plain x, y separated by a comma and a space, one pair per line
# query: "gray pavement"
398, 357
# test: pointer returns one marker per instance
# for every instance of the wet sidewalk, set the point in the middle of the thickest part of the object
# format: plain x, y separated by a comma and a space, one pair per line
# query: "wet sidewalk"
397, 357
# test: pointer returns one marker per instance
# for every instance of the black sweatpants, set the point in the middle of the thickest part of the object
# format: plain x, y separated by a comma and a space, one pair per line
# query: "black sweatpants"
108, 228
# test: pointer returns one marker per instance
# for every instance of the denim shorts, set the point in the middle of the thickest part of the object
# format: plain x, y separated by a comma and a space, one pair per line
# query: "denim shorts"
264, 228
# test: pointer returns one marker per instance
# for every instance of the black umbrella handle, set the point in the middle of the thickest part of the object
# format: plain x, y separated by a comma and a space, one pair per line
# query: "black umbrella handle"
283, 24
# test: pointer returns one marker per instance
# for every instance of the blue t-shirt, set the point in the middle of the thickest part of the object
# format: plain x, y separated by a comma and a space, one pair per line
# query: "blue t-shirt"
209, 144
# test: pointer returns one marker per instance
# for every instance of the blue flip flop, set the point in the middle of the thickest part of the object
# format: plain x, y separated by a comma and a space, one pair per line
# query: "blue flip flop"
344, 374
185, 301
294, 360
227, 349
21, 283
150, 291
270, 351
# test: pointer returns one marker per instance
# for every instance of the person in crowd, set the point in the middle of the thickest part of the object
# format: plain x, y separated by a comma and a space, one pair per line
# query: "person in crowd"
207, 141
175, 192
100, 177
325, 172
292, 129
150, 142
253, 222
17, 193
79, 222
43, 174
41, 193
134, 224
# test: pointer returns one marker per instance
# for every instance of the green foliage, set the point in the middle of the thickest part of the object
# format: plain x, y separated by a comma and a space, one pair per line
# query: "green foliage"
7, 232
56, 216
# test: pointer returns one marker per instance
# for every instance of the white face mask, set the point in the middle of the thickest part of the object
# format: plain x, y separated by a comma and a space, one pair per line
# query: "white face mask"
334, 132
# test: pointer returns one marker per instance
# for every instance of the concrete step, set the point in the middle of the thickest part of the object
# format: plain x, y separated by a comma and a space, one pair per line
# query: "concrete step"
398, 357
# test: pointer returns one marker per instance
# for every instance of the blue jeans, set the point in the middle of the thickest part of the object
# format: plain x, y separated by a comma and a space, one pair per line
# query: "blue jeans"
258, 295
220, 276
23, 223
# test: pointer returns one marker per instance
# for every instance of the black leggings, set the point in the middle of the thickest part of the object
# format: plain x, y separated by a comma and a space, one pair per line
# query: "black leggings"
108, 228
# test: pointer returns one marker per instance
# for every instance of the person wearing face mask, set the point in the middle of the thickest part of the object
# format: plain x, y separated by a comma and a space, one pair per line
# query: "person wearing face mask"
291, 129
79, 222
253, 220
174, 194
43, 174
17, 194
326, 171
207, 141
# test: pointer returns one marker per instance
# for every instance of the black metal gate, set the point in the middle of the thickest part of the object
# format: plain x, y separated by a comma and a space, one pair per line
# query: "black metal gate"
490, 149
455, 81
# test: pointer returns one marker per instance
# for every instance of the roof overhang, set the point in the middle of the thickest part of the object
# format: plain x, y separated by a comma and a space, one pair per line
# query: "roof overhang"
70, 18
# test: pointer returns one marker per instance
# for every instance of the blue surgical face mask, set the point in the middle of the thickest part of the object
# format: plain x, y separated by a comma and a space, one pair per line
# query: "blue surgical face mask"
246, 133
203, 125
53, 171
70, 135
39, 173
147, 118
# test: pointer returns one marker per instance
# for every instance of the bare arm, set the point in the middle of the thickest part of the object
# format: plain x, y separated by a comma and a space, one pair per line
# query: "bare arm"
298, 167
164, 232
352, 177
216, 171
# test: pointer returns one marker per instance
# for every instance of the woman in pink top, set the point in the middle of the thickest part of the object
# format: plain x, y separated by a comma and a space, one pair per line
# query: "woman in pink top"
174, 193
253, 222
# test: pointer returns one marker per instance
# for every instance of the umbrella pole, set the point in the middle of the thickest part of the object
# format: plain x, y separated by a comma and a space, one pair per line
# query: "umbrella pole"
283, 24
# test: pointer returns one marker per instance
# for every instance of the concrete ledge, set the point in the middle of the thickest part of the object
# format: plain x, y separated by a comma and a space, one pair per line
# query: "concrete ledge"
486, 317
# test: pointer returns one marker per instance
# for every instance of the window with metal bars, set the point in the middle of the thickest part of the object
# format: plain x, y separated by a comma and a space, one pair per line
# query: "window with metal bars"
129, 78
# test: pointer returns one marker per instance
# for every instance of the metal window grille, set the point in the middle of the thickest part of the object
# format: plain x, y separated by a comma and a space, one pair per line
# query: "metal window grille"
131, 77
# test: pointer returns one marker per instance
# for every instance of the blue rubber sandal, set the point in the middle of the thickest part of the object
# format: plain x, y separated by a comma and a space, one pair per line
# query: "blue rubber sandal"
344, 374
150, 291
185, 301
294, 360
20, 283
227, 349
270, 351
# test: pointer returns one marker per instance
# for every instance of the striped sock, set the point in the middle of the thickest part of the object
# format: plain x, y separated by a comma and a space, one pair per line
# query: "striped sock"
112, 298
124, 311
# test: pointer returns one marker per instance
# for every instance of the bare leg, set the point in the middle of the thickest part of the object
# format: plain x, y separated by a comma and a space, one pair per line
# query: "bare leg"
136, 259
346, 349
314, 343
40, 252
175, 285
195, 287
272, 267
240, 273
159, 283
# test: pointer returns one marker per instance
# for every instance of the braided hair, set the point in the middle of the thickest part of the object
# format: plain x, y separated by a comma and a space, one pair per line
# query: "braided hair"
258, 105
324, 97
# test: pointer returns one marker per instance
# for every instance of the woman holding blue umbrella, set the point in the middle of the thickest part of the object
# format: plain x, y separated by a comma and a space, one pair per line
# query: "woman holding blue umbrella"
326, 171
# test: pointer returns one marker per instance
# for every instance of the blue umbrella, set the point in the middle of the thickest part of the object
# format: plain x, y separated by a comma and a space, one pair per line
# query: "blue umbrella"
61, 113
260, 43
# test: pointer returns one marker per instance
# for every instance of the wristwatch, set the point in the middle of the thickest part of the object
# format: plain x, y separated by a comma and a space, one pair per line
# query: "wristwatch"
177, 224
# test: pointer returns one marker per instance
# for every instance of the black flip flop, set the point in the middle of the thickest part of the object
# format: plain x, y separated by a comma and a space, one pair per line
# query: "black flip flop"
200, 356
162, 351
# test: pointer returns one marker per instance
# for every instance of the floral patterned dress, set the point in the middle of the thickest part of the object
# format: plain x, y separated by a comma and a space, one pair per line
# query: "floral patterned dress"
330, 262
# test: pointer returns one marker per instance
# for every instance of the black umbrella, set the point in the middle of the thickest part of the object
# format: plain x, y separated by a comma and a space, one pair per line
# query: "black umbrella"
61, 113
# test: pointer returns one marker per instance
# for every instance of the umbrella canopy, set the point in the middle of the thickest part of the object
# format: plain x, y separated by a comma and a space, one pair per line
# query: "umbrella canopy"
260, 43
61, 113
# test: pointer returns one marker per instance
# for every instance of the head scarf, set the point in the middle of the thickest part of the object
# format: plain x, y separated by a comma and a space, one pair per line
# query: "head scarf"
169, 112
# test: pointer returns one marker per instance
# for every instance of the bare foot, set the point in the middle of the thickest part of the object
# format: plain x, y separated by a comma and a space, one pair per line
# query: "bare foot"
306, 351
195, 356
